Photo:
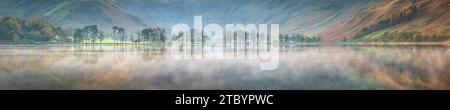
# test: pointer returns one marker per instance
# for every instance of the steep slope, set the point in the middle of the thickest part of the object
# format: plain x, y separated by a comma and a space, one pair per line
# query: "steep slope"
419, 18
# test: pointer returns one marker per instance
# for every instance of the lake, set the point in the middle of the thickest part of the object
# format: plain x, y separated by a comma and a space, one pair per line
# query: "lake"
323, 67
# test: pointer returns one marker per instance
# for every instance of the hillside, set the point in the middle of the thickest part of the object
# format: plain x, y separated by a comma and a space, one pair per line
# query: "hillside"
74, 13
396, 20
293, 15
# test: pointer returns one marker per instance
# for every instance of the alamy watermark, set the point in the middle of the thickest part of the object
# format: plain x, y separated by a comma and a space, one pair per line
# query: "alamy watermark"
237, 41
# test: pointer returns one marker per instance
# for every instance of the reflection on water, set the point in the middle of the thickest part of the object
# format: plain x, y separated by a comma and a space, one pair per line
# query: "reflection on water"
304, 67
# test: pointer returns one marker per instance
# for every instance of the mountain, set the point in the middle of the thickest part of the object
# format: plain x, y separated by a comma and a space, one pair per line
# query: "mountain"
292, 15
358, 20
74, 13
297, 15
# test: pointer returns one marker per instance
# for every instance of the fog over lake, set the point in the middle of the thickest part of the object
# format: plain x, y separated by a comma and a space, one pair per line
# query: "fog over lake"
152, 67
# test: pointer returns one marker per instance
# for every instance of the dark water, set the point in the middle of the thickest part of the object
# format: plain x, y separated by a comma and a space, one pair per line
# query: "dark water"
303, 67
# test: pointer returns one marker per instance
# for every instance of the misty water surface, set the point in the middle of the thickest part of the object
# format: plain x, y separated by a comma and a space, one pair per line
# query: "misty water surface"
301, 67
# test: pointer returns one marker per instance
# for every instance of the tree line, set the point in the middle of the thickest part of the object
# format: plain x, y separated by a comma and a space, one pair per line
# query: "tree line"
88, 34
410, 37
92, 34
298, 38
16, 30
32, 29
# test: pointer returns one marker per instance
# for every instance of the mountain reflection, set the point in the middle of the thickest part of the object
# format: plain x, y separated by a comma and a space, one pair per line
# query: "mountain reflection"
151, 67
